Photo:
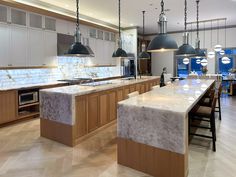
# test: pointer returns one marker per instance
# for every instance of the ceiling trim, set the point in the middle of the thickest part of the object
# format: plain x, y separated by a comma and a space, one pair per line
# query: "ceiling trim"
193, 30
86, 21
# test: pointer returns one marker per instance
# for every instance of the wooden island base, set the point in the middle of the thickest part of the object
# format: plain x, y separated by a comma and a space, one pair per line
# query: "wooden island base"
151, 160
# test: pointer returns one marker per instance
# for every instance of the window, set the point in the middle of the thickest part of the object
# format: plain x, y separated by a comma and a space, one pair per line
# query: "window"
195, 67
224, 68
182, 69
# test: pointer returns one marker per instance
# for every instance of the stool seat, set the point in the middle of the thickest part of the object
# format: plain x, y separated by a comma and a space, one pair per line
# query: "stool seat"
203, 111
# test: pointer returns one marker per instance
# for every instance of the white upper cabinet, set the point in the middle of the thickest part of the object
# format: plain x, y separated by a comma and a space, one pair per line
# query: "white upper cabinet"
35, 21
50, 49
3, 14
4, 45
50, 24
36, 47
18, 46
65, 27
18, 17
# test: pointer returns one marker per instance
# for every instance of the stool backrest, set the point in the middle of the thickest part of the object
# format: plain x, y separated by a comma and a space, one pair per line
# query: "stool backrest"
220, 90
213, 105
133, 94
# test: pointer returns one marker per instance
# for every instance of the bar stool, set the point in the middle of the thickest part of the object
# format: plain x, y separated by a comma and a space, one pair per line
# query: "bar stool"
218, 96
206, 114
133, 94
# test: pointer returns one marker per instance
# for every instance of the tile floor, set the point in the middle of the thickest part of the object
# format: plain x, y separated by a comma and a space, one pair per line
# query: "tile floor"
23, 153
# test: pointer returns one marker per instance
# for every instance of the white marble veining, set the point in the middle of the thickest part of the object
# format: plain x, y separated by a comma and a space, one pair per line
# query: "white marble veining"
58, 104
157, 118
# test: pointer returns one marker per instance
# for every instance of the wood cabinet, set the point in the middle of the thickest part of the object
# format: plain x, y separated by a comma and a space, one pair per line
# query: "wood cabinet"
81, 116
93, 112
8, 106
104, 108
120, 94
112, 105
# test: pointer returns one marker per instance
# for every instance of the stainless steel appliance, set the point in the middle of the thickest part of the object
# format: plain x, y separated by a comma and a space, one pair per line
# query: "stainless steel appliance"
28, 97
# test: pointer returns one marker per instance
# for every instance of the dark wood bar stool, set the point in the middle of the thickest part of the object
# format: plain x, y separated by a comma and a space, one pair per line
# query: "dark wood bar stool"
206, 114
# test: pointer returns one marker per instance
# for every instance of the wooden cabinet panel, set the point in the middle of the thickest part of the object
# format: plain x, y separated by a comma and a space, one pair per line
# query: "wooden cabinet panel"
132, 88
8, 106
147, 87
142, 88
81, 116
120, 94
93, 112
112, 105
126, 92
103, 108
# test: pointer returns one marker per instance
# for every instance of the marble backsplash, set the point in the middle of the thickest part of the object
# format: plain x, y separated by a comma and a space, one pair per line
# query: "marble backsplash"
67, 68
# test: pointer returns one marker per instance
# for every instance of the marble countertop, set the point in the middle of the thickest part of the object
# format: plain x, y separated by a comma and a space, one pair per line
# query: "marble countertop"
177, 97
77, 90
159, 118
24, 86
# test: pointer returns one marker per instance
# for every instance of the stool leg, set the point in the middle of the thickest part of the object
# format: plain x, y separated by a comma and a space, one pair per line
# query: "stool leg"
213, 132
219, 108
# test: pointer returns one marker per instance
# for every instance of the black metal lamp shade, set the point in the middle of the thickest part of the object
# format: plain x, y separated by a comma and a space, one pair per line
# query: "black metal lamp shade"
78, 49
200, 53
186, 50
144, 55
119, 53
162, 43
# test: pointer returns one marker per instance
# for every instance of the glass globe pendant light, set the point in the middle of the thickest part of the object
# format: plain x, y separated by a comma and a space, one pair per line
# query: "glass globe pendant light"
198, 61
119, 53
162, 42
218, 47
204, 62
77, 49
144, 54
186, 61
186, 49
225, 60
222, 52
199, 52
211, 54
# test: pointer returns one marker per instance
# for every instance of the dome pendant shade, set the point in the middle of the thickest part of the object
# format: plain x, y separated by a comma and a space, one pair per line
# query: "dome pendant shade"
200, 53
119, 53
79, 50
144, 55
162, 43
186, 50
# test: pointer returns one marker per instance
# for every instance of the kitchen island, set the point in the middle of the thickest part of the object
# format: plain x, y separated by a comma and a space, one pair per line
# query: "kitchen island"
72, 113
153, 128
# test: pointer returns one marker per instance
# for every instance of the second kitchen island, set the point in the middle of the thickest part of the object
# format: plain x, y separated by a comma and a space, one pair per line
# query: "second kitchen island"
70, 114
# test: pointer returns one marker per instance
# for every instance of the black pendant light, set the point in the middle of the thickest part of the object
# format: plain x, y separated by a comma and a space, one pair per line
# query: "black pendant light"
186, 50
163, 42
119, 53
199, 52
77, 49
144, 54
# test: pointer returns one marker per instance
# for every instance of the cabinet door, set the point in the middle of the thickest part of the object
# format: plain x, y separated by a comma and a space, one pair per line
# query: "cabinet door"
8, 106
4, 45
120, 94
36, 47
142, 88
18, 46
81, 116
112, 105
111, 49
62, 26
100, 52
132, 88
126, 92
50, 48
93, 112
103, 108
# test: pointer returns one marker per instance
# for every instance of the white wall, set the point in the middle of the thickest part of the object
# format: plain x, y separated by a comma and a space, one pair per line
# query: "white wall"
164, 59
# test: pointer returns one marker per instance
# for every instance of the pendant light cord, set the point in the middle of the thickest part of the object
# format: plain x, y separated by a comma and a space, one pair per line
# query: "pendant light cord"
185, 16
143, 24
198, 18
119, 21
218, 34
162, 7
211, 33
77, 14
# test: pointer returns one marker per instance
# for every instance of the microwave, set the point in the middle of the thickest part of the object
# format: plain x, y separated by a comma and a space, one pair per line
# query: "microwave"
28, 97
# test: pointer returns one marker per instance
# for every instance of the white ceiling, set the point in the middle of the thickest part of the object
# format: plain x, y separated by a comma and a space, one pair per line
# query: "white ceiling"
106, 10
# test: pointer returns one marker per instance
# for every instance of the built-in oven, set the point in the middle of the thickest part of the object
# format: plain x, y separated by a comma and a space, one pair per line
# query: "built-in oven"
28, 96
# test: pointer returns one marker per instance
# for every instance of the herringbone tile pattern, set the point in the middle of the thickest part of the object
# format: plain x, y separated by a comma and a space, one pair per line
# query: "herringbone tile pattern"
23, 153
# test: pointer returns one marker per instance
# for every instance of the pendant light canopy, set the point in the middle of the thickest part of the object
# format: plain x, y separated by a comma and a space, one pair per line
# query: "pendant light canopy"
186, 50
163, 42
77, 49
144, 54
199, 52
119, 53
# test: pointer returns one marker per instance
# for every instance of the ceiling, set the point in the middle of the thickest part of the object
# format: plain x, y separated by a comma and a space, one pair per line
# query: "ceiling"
106, 10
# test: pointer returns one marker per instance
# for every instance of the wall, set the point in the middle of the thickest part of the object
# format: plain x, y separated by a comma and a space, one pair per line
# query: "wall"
67, 68
163, 59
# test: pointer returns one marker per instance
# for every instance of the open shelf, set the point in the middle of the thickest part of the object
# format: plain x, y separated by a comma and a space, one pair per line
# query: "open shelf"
27, 114
28, 105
